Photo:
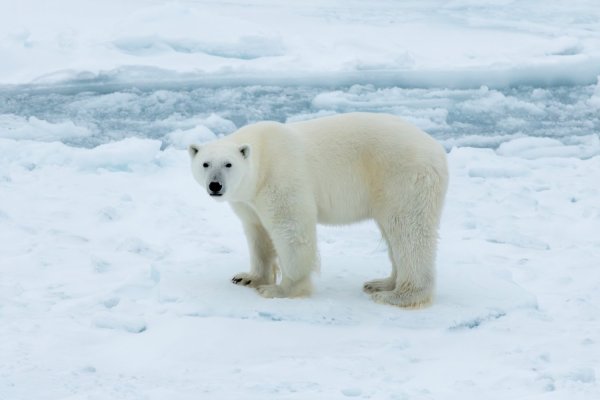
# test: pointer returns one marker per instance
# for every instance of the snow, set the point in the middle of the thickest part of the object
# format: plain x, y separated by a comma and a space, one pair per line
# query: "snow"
460, 43
115, 267
116, 283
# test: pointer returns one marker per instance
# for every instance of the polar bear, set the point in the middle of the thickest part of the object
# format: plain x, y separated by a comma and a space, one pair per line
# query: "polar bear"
283, 179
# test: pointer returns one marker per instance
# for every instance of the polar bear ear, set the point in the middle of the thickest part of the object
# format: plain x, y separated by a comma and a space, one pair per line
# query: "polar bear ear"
193, 149
245, 150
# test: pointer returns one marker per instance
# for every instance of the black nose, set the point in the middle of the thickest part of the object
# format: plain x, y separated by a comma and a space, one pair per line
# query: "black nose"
215, 187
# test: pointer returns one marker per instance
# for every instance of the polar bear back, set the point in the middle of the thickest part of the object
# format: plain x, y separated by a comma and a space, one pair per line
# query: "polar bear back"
348, 164
359, 159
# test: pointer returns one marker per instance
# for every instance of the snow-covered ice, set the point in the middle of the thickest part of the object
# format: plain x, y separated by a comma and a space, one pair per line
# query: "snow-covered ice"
411, 43
115, 268
116, 284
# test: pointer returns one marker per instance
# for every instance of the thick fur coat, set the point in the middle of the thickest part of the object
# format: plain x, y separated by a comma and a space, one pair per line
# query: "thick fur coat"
283, 179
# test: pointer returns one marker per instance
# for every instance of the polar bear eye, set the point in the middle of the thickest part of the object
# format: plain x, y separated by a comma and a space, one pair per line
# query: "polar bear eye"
205, 165
228, 165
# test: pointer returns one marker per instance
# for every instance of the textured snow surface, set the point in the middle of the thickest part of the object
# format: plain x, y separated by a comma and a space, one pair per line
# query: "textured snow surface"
116, 268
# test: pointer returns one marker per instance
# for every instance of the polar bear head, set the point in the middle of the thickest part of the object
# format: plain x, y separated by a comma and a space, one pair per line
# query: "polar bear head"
221, 168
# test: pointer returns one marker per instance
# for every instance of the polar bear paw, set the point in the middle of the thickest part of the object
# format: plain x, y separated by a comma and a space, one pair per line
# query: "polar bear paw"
301, 288
245, 279
379, 285
272, 291
406, 299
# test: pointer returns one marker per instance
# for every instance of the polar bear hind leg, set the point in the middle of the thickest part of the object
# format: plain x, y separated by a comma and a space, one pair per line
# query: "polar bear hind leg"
412, 246
411, 234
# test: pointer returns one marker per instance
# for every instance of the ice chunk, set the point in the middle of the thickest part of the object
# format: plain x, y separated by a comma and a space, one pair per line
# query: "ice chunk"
544, 147
181, 139
120, 155
32, 128
496, 172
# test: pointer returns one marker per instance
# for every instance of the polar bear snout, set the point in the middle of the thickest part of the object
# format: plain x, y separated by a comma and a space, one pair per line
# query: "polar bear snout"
215, 188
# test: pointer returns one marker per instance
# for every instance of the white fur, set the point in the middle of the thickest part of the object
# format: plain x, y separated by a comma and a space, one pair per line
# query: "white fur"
333, 170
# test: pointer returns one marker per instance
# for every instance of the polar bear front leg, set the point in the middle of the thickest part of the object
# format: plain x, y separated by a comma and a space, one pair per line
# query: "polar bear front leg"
296, 246
263, 264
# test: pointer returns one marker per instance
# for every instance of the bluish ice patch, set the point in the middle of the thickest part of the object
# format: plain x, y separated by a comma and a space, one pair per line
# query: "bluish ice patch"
476, 322
480, 117
269, 316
